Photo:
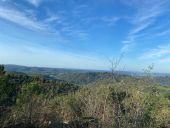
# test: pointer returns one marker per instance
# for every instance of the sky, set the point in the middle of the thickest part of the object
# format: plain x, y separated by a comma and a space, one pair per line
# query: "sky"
86, 34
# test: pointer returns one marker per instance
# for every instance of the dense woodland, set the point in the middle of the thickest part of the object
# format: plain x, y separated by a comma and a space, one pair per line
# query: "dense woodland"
36, 101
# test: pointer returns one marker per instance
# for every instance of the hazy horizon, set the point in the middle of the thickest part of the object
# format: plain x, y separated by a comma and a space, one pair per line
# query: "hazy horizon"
91, 70
85, 34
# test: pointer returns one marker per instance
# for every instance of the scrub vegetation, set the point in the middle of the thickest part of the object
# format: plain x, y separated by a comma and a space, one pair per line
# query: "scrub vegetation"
31, 101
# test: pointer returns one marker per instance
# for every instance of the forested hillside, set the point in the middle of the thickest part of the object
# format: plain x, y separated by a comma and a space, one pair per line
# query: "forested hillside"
34, 102
83, 77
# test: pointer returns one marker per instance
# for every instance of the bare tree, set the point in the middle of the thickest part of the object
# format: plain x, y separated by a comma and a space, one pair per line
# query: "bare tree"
114, 66
115, 73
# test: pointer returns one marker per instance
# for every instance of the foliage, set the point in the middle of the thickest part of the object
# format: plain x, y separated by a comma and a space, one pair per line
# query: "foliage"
32, 101
7, 89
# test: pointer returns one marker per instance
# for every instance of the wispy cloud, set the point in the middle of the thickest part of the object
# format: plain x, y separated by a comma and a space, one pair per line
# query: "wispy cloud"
141, 26
41, 56
52, 18
157, 53
21, 19
51, 24
162, 33
73, 32
127, 43
110, 20
147, 13
36, 3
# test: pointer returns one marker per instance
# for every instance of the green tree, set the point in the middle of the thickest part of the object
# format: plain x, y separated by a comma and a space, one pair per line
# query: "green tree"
7, 90
2, 71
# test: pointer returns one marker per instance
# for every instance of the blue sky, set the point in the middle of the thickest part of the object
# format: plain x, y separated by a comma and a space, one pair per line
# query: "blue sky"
85, 33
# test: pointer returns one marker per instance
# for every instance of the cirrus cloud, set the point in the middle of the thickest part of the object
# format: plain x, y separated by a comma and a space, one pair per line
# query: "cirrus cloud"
157, 53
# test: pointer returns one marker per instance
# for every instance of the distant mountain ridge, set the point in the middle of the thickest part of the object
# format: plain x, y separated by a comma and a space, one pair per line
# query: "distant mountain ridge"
54, 71
80, 76
76, 76
42, 70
